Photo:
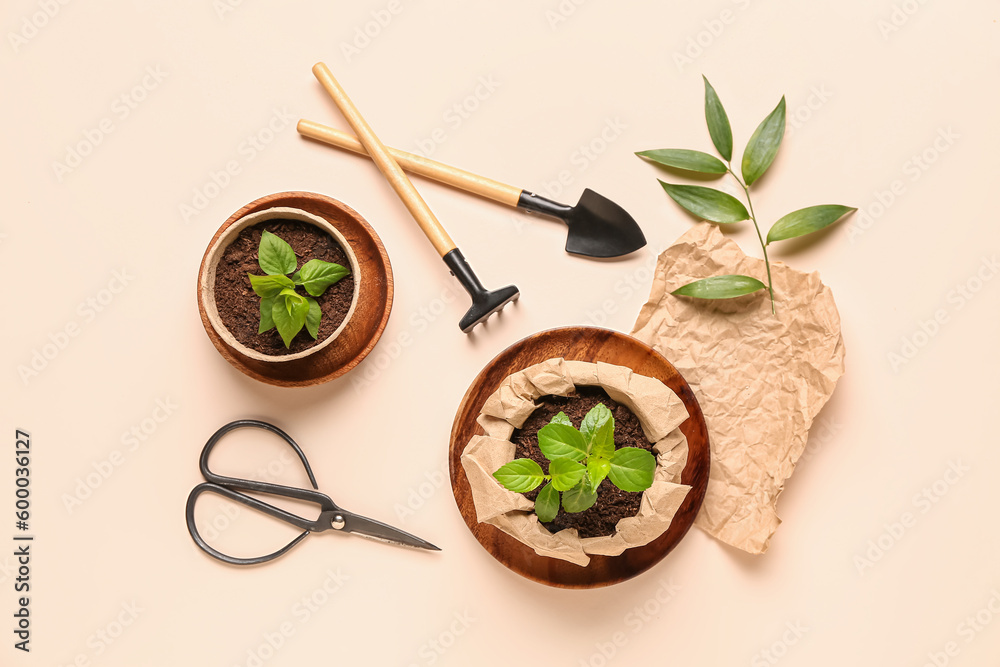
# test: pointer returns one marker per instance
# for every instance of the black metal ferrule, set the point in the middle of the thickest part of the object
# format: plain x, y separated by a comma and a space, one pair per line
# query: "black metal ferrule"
529, 201
461, 270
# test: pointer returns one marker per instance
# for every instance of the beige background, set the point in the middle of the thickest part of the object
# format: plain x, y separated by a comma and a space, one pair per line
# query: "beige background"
865, 96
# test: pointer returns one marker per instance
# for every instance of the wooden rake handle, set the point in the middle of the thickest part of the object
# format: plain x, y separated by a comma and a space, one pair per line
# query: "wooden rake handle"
387, 165
418, 164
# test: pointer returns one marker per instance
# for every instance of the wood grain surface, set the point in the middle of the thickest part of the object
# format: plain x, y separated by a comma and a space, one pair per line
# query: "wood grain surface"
370, 315
583, 344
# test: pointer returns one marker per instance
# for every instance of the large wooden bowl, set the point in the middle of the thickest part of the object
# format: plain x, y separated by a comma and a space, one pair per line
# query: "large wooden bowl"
583, 344
366, 323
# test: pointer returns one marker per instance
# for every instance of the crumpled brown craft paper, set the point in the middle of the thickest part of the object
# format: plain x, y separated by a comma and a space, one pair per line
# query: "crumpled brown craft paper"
660, 412
760, 378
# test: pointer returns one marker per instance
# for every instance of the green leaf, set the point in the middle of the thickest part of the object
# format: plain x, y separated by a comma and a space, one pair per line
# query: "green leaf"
603, 444
806, 221
632, 469
594, 420
300, 309
597, 470
266, 320
598, 428
313, 317
578, 499
283, 320
561, 441
679, 158
266, 286
274, 255
720, 287
547, 503
291, 297
708, 203
566, 473
316, 275
561, 418
718, 123
763, 145
520, 475
289, 313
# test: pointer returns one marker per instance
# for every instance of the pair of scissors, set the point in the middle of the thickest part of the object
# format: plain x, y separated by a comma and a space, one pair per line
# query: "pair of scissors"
331, 516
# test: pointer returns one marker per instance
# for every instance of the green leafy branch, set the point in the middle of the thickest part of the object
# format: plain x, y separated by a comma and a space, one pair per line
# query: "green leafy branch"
719, 207
579, 460
281, 306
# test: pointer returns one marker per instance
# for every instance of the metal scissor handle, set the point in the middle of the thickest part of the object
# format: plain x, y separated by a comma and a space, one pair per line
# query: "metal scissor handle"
229, 487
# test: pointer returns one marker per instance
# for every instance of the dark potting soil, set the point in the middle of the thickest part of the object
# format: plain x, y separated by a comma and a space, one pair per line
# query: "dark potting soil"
239, 306
612, 503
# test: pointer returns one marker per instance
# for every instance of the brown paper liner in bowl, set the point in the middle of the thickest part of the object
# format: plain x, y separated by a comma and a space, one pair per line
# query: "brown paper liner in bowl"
660, 412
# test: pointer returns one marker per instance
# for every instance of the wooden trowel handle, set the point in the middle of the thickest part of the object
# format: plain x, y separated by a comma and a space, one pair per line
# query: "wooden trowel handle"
418, 164
418, 208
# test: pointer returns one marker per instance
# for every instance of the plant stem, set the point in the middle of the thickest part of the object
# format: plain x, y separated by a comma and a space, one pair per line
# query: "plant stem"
760, 237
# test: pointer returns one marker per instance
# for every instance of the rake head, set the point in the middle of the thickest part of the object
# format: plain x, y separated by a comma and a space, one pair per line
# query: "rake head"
484, 302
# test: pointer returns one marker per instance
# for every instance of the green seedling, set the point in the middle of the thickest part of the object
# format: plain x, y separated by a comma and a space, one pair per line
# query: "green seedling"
281, 306
579, 460
722, 208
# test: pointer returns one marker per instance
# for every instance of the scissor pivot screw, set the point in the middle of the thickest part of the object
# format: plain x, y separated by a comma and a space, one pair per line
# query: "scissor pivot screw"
337, 522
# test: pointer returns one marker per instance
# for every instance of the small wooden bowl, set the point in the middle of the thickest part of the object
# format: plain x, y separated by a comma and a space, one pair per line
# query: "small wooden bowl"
361, 329
583, 344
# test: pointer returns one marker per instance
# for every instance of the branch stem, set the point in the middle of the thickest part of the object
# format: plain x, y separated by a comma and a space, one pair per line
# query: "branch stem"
760, 237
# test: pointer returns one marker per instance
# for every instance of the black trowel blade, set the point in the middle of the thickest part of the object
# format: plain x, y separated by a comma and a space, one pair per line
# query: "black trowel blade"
598, 227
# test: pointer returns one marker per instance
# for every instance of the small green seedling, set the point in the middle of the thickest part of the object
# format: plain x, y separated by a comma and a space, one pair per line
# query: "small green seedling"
578, 463
280, 305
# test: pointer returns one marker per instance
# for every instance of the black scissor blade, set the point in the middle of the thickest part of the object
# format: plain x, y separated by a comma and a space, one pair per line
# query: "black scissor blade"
380, 531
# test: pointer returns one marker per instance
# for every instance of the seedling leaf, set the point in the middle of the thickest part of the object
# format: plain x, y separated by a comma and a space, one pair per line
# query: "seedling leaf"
597, 470
566, 473
274, 255
561, 418
316, 275
547, 503
593, 421
313, 317
267, 286
266, 321
632, 469
520, 475
578, 499
561, 441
